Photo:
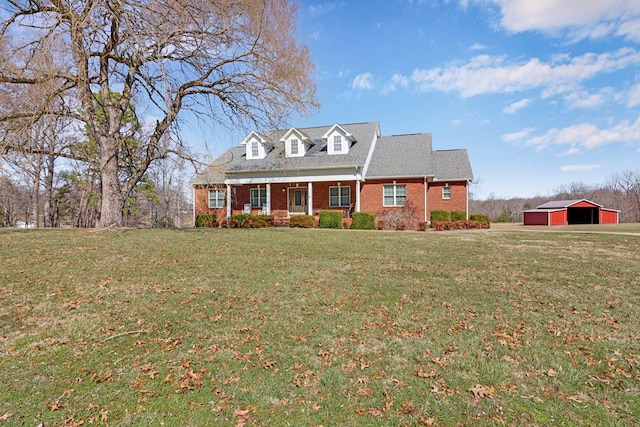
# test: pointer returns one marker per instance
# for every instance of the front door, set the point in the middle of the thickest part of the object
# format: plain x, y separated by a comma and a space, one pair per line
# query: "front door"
297, 200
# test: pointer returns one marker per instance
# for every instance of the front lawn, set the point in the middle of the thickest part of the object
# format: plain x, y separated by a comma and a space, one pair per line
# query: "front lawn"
316, 327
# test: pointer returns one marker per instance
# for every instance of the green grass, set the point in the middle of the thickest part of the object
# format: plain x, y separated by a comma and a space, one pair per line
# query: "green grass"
299, 327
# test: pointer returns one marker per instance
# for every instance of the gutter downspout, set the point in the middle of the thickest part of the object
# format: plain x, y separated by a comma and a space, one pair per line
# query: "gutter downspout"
467, 202
425, 198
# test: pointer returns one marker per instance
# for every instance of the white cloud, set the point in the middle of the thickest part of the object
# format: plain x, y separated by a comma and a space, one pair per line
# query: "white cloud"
322, 8
516, 136
633, 97
580, 168
584, 100
578, 19
477, 46
363, 81
512, 108
396, 80
580, 137
486, 74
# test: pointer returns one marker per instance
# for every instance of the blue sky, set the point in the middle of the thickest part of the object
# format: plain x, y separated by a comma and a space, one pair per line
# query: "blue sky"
541, 92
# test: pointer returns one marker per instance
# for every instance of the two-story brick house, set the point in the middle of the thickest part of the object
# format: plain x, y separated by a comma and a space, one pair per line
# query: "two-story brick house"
347, 167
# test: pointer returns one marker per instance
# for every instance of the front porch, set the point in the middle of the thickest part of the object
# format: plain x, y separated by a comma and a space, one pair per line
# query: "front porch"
283, 200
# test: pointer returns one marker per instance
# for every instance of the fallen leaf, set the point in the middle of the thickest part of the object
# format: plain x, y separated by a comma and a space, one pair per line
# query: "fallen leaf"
423, 374
481, 391
6, 416
54, 406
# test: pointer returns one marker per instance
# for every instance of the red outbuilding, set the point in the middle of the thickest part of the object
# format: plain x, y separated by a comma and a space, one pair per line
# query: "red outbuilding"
569, 212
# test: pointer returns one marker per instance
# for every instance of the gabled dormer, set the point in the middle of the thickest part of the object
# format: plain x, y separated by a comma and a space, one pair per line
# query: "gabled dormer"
296, 143
256, 146
339, 141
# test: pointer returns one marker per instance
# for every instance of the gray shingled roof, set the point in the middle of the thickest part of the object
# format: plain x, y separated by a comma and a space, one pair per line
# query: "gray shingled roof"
451, 165
395, 156
401, 156
234, 160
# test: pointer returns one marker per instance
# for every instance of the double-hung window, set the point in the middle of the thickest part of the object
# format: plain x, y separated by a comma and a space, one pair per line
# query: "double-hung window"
446, 192
258, 197
255, 149
294, 147
394, 195
216, 198
339, 196
337, 143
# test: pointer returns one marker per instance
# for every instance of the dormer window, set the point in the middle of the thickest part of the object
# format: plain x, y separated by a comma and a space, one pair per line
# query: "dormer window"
337, 143
256, 147
338, 140
296, 143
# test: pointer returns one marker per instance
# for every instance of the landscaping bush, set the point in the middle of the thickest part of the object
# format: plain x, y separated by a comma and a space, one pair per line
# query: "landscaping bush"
405, 217
440, 216
458, 225
330, 219
480, 218
363, 221
239, 219
301, 221
458, 215
206, 220
262, 221
423, 226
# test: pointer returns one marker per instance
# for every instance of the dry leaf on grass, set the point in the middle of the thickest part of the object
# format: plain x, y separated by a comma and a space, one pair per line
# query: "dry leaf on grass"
482, 391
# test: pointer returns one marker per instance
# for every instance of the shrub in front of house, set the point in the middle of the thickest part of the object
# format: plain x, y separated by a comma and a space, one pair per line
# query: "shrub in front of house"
363, 221
458, 215
440, 216
206, 220
423, 226
261, 221
480, 218
237, 221
458, 225
399, 218
301, 221
330, 219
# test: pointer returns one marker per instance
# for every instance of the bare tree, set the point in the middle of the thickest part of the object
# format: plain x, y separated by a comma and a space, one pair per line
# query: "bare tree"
628, 182
234, 62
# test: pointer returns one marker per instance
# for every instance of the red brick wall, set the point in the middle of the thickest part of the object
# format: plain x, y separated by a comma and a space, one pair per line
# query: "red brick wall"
371, 197
457, 202
201, 203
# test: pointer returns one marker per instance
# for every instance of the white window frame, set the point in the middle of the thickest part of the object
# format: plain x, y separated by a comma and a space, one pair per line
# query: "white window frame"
262, 200
340, 196
394, 194
446, 192
337, 143
294, 146
255, 149
218, 199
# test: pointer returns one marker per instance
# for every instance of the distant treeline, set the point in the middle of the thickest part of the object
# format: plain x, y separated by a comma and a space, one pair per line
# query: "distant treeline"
621, 192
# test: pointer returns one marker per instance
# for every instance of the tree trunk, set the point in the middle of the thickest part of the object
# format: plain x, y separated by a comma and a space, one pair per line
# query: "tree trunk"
112, 200
49, 208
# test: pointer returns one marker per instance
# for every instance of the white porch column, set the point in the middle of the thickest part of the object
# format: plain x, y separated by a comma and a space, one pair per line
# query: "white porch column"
310, 196
268, 212
357, 195
228, 201
193, 194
